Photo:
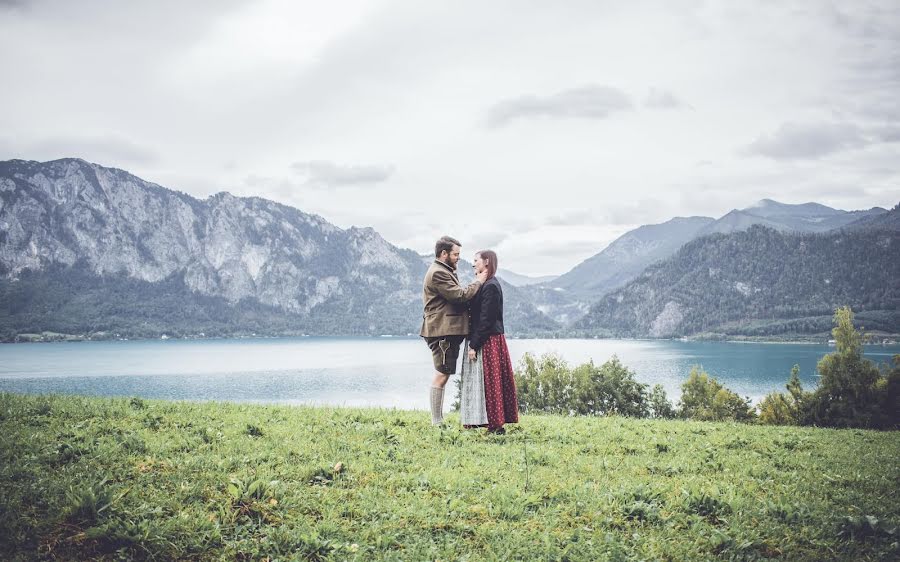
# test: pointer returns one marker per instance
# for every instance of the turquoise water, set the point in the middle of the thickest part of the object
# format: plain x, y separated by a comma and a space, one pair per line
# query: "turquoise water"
387, 372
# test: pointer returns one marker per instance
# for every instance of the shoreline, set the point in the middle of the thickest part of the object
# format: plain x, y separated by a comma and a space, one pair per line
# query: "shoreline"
53, 337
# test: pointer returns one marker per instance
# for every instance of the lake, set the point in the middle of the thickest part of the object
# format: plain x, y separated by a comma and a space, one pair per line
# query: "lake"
386, 372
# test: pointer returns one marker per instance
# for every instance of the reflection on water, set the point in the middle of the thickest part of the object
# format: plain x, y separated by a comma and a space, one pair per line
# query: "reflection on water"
388, 372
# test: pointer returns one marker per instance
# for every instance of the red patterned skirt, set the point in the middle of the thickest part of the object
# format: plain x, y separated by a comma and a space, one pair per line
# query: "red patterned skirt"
499, 383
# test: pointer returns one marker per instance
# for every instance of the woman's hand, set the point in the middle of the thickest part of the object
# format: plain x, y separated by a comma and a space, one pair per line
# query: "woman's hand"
473, 355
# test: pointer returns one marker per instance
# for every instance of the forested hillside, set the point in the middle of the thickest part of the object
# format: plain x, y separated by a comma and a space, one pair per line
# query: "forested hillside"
759, 282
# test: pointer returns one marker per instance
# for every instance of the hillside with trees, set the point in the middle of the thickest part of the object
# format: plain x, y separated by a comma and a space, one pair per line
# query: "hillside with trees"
760, 282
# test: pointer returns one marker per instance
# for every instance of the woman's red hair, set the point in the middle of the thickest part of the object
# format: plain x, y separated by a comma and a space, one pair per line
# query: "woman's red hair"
491, 258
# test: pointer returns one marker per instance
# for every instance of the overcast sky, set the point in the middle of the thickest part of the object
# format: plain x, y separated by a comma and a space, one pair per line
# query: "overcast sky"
543, 130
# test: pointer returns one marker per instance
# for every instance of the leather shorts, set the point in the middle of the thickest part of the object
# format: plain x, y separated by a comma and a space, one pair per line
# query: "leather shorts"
445, 352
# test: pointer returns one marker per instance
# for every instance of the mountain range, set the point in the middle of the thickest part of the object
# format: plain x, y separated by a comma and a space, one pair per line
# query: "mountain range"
71, 222
759, 282
630, 254
90, 249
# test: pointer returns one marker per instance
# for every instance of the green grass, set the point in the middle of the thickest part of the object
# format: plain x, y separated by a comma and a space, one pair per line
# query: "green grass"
84, 478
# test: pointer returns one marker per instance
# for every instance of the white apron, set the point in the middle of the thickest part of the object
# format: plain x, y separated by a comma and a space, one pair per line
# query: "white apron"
472, 409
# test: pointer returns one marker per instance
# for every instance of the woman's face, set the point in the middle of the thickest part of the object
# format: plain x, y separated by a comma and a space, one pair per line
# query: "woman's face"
478, 263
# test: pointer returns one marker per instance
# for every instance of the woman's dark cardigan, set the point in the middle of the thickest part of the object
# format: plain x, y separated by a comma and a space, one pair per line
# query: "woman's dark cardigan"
486, 313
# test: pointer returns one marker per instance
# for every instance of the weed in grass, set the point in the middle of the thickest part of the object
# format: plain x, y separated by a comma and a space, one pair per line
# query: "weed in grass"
153, 422
254, 430
641, 511
299, 544
206, 435
253, 500
387, 437
644, 494
320, 477
711, 461
736, 443
133, 443
790, 443
85, 503
41, 407
706, 506
864, 527
68, 453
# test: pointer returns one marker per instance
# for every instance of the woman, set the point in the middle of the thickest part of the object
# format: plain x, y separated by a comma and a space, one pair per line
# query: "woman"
488, 387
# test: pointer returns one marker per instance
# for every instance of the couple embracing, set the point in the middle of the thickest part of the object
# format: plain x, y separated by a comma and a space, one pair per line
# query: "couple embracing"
472, 315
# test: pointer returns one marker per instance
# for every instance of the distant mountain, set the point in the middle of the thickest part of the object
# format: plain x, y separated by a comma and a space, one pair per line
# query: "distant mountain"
806, 217
89, 248
758, 282
884, 221
628, 256
524, 280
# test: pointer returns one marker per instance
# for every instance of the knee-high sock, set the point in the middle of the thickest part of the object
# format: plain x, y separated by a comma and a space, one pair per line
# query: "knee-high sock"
437, 405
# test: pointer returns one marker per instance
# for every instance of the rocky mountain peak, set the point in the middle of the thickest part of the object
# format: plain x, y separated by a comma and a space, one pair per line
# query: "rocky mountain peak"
240, 249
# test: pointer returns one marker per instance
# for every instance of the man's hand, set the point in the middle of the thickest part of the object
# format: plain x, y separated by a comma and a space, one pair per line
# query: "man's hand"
473, 355
482, 276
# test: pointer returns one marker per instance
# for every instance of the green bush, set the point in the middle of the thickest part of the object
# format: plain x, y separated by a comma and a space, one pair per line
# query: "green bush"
704, 398
847, 395
549, 385
785, 409
853, 391
660, 406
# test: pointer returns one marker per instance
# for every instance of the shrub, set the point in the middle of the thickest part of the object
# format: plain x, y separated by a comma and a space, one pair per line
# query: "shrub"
852, 391
549, 385
545, 385
786, 409
609, 389
703, 398
660, 406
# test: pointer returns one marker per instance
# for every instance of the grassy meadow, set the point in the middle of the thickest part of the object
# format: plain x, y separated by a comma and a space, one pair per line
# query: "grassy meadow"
94, 478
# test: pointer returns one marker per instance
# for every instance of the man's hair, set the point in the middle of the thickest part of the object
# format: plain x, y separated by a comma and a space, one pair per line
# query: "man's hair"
445, 243
491, 258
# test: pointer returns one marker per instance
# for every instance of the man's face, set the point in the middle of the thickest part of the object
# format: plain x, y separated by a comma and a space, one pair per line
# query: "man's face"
453, 256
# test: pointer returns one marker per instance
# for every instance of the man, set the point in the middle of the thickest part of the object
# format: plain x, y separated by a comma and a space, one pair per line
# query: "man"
445, 321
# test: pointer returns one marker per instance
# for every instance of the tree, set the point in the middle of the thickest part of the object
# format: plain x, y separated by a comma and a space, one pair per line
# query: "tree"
660, 407
850, 392
889, 386
776, 410
786, 409
703, 398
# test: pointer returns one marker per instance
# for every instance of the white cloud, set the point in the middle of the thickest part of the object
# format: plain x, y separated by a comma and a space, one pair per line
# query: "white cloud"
808, 140
663, 99
322, 173
585, 102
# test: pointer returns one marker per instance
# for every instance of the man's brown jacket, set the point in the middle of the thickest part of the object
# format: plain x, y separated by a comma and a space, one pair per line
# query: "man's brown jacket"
446, 313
